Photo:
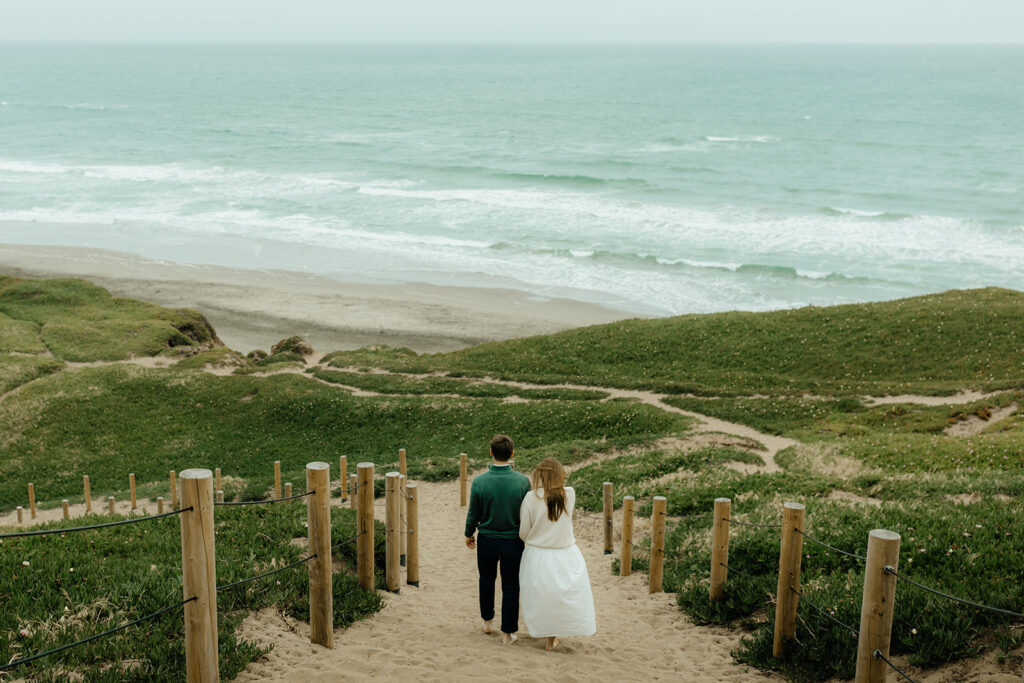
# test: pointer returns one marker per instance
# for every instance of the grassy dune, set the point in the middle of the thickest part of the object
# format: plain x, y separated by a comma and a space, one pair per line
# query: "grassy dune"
801, 373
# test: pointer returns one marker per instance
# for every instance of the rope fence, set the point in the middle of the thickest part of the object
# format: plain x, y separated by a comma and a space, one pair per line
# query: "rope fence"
199, 498
880, 577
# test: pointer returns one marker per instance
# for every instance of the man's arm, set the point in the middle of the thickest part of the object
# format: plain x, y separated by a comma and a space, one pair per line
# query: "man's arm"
472, 518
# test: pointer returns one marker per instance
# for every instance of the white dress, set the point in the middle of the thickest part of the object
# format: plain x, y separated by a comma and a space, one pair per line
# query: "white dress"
554, 587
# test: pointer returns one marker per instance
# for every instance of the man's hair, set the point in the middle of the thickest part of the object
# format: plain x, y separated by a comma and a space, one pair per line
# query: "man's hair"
501, 447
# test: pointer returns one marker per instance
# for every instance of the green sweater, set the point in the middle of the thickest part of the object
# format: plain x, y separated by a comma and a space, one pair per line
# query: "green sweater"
494, 503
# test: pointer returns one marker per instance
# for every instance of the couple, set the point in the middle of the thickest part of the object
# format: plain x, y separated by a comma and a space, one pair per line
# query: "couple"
529, 535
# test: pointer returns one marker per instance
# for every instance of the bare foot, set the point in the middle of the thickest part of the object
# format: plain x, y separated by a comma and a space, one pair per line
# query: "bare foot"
489, 626
508, 638
552, 644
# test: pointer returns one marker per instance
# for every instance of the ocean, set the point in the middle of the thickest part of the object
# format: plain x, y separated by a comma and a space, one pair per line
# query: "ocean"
652, 179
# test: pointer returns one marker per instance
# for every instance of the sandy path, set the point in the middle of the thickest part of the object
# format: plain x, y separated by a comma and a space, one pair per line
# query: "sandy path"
432, 633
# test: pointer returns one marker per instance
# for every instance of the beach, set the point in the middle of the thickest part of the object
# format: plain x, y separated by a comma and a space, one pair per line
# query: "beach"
254, 309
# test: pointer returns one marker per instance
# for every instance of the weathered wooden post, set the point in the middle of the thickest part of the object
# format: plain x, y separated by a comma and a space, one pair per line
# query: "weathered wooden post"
343, 477
365, 560
32, 500
657, 543
131, 491
159, 505
403, 528
404, 505
607, 508
412, 570
392, 544
67, 511
321, 593
277, 480
720, 549
288, 490
110, 504
877, 605
216, 478
21, 514
463, 477
786, 598
626, 556
174, 490
88, 494
353, 483
220, 495
199, 576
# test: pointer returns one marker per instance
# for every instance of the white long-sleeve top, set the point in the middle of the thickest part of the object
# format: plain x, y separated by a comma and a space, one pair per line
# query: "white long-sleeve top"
537, 530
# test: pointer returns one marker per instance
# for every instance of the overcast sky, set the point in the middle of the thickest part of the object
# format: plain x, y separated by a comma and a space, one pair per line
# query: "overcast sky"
514, 20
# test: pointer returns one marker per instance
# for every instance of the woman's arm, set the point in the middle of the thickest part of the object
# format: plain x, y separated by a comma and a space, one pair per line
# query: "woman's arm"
525, 517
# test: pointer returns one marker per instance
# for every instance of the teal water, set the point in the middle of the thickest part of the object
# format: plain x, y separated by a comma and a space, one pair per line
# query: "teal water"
653, 179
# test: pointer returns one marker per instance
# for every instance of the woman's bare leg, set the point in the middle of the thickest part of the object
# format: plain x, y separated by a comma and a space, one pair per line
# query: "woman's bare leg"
552, 643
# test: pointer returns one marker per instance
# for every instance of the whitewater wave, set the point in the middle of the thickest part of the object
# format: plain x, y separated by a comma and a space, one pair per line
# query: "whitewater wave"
742, 138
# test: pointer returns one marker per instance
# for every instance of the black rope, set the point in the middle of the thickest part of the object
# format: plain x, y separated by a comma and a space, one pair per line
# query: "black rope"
270, 573
877, 654
639, 547
19, 662
346, 542
824, 613
762, 526
889, 570
830, 547
94, 526
269, 500
749, 576
695, 516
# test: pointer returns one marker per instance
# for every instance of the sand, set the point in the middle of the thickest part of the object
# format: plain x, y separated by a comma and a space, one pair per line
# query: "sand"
433, 633
255, 309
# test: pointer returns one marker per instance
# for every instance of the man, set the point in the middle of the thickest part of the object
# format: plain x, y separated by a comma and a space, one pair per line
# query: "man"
494, 504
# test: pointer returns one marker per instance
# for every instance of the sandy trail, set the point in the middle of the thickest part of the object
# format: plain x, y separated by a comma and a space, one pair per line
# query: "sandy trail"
432, 633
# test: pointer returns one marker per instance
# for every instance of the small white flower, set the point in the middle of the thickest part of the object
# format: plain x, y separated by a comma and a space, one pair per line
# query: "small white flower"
913, 631
25, 563
71, 570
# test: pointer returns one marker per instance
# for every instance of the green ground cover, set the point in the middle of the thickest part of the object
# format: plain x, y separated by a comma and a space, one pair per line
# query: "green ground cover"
933, 344
403, 384
62, 588
956, 500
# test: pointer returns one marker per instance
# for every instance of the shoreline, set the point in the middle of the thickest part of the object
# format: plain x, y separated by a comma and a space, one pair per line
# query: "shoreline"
254, 309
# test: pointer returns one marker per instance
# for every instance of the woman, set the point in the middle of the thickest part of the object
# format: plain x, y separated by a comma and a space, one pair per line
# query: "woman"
553, 581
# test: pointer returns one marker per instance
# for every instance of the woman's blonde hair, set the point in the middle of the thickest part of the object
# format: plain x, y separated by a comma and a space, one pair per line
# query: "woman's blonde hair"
550, 476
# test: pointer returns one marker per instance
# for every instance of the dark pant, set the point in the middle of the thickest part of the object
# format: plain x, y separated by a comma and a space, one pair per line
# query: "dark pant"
490, 553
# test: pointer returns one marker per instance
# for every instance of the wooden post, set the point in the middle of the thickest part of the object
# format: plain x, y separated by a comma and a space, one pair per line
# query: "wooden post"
403, 497
393, 523
160, 505
403, 527
88, 494
174, 490
365, 560
606, 506
277, 480
343, 477
790, 553
288, 490
216, 477
626, 556
32, 500
412, 569
199, 576
353, 493
110, 504
321, 593
220, 495
720, 549
131, 491
67, 512
657, 543
463, 476
21, 514
877, 605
